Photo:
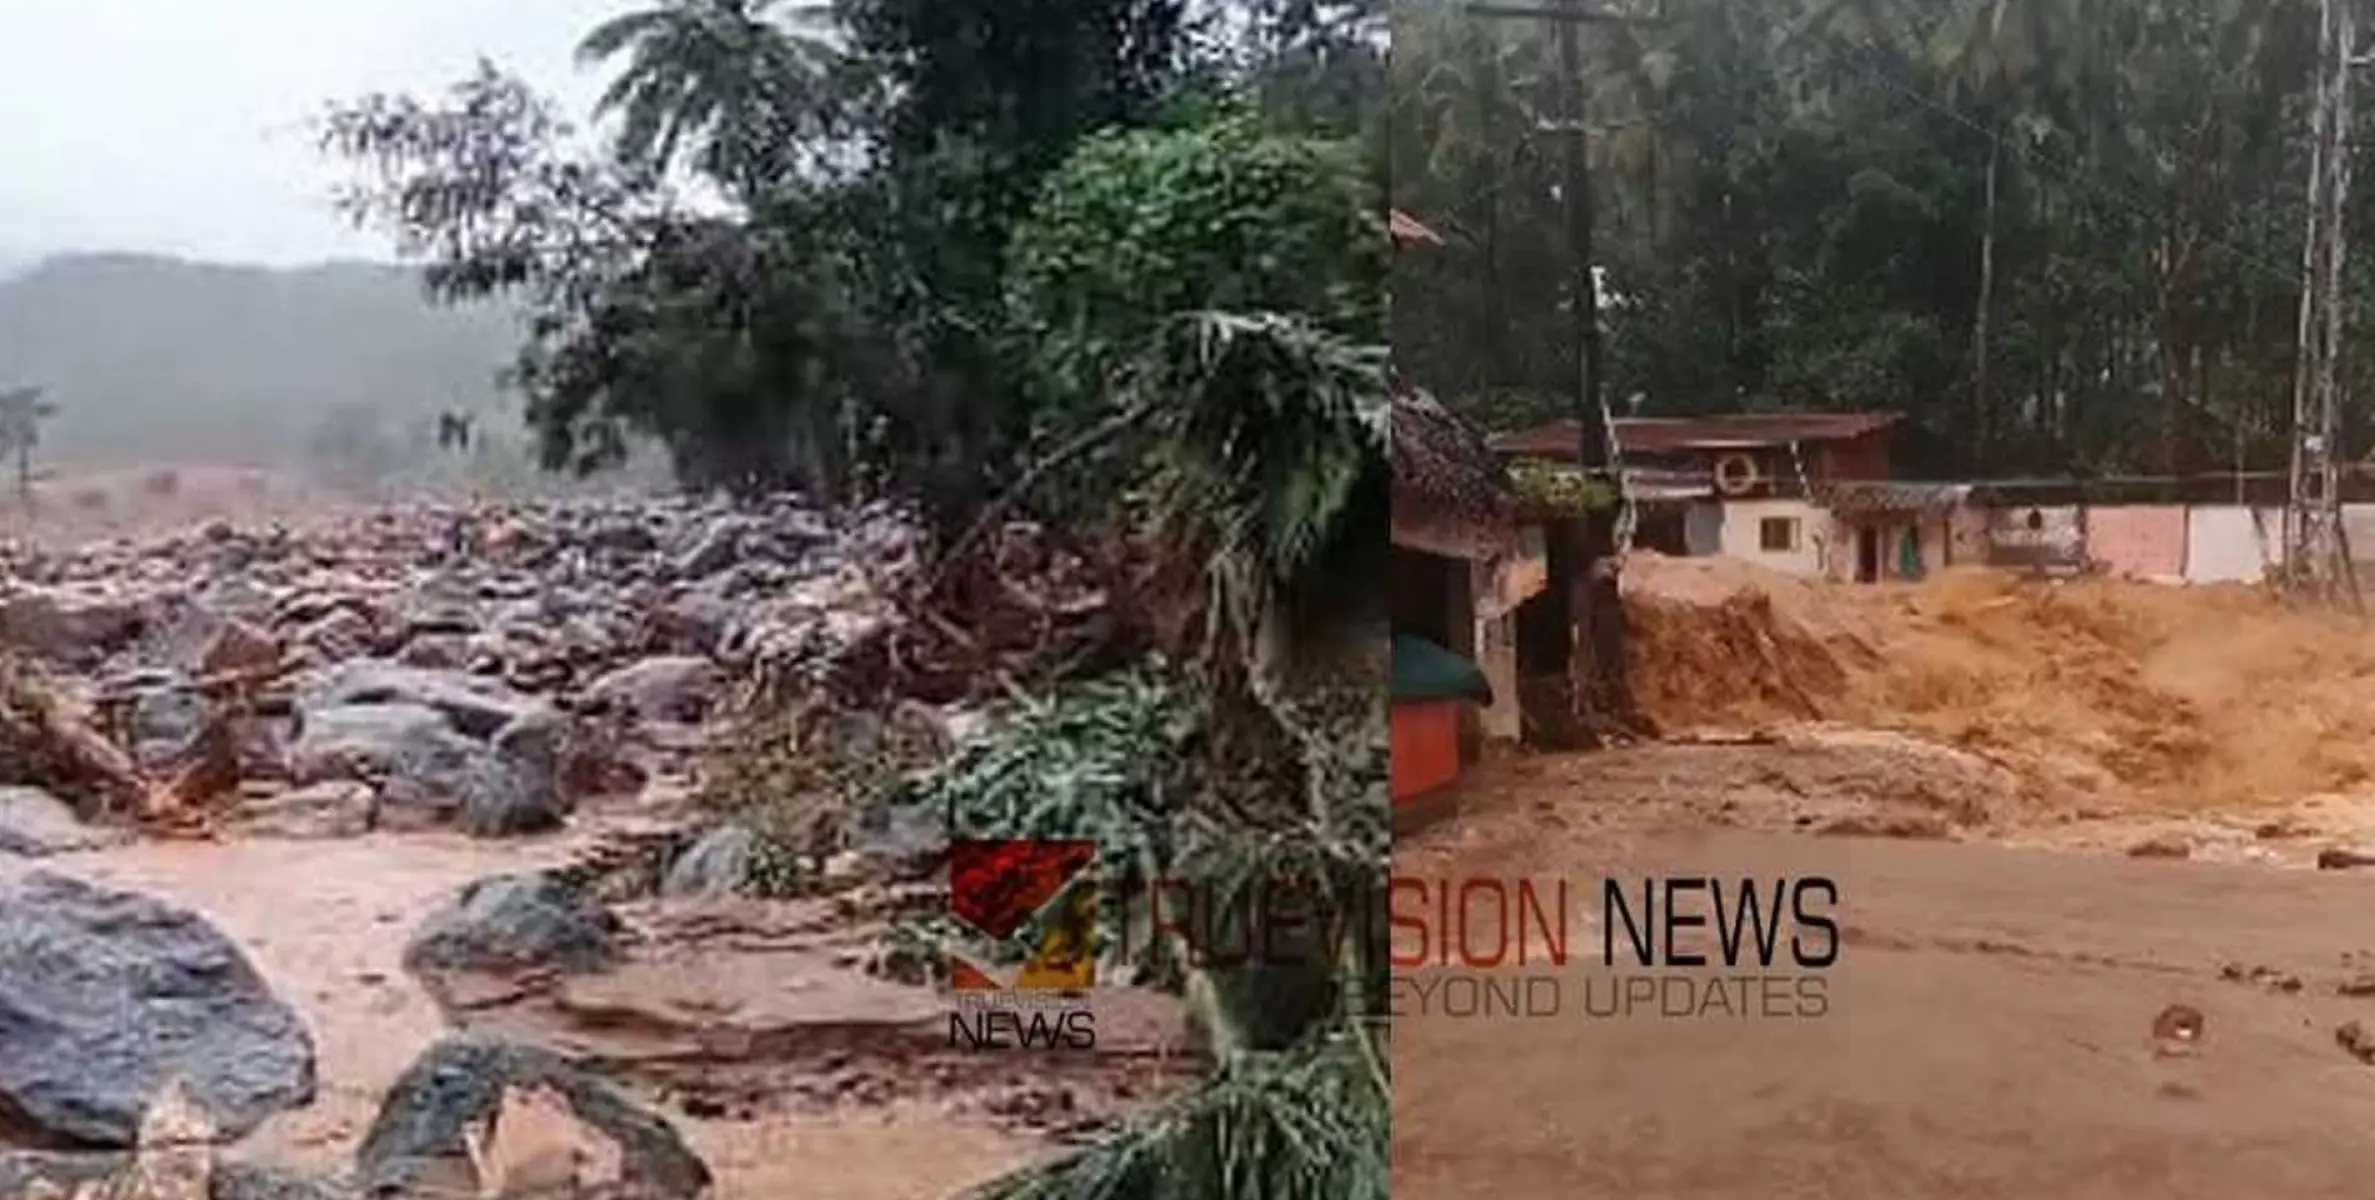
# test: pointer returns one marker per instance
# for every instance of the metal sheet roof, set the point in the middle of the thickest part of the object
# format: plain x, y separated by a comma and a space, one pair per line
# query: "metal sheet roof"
1727, 431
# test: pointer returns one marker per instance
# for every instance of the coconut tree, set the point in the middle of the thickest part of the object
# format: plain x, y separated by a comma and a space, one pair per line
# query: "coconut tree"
727, 83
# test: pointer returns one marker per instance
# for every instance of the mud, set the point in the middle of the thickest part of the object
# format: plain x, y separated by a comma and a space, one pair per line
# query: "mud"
1989, 1033
2099, 693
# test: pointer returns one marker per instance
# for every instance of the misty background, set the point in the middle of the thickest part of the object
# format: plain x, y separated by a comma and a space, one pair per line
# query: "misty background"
171, 268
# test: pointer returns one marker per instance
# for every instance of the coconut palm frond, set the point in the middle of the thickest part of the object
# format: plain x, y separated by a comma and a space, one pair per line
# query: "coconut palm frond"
705, 75
1307, 1124
1269, 426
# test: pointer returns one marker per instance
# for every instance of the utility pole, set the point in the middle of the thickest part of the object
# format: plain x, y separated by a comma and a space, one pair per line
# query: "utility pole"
2317, 556
1603, 703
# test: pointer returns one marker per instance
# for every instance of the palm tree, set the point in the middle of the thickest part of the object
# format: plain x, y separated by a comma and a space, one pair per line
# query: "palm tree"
724, 79
2019, 54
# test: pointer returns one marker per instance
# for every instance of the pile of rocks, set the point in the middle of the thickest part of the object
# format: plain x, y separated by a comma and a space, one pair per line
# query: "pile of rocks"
482, 667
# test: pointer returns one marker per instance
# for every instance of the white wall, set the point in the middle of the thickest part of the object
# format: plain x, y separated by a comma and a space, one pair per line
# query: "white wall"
1703, 528
1496, 655
2223, 545
1743, 538
2358, 524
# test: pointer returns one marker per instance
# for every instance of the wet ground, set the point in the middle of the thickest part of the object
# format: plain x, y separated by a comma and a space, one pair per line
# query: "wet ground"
327, 923
1988, 1033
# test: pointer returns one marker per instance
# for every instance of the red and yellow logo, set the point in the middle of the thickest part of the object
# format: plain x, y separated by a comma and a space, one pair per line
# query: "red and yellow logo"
998, 887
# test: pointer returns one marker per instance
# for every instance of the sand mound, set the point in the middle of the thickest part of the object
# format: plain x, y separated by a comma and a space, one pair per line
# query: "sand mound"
2109, 691
1720, 642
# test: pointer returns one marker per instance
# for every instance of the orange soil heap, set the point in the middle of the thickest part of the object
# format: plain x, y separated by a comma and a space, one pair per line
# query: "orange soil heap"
2107, 690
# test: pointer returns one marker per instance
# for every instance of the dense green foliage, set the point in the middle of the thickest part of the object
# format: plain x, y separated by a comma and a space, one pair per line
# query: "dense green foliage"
2066, 238
852, 320
1137, 228
1114, 265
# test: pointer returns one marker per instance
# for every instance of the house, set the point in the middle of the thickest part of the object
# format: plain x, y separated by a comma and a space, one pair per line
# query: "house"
1805, 493
1454, 534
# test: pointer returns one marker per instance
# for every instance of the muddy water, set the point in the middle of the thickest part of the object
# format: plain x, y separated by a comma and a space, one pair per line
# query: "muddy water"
1989, 1033
327, 923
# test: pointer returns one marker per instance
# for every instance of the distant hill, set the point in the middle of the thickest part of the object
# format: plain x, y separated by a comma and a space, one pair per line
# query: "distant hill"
161, 360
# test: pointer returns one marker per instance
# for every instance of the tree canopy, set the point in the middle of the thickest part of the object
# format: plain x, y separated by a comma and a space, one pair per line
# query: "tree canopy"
2064, 238
1113, 265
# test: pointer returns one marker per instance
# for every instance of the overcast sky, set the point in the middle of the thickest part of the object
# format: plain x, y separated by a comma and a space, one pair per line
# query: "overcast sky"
178, 126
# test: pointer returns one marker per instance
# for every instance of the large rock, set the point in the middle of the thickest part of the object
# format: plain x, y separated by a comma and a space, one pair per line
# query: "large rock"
475, 706
419, 1143
717, 546
78, 630
34, 823
164, 714
581, 758
693, 623
106, 996
338, 634
506, 797
676, 689
515, 922
427, 772
720, 864
237, 647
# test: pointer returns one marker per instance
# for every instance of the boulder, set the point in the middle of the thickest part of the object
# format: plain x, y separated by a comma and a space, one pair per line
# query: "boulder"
504, 797
427, 772
476, 706
338, 634
515, 922
717, 546
163, 717
437, 652
719, 864
584, 758
500, 1094
35, 824
675, 689
237, 647
73, 629
111, 995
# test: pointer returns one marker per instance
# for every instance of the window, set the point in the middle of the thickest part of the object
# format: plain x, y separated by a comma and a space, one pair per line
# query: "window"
1777, 535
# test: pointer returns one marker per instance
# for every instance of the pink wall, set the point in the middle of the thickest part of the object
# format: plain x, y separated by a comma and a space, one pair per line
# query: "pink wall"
2146, 541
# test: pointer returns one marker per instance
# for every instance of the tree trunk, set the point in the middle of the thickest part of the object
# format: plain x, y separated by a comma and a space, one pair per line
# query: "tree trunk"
1987, 293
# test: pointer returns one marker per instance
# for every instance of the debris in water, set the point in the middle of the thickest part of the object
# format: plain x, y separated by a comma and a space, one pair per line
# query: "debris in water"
2177, 1031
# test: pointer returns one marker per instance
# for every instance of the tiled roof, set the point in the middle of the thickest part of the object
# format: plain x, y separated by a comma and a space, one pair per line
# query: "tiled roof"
1855, 499
1729, 431
1441, 464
